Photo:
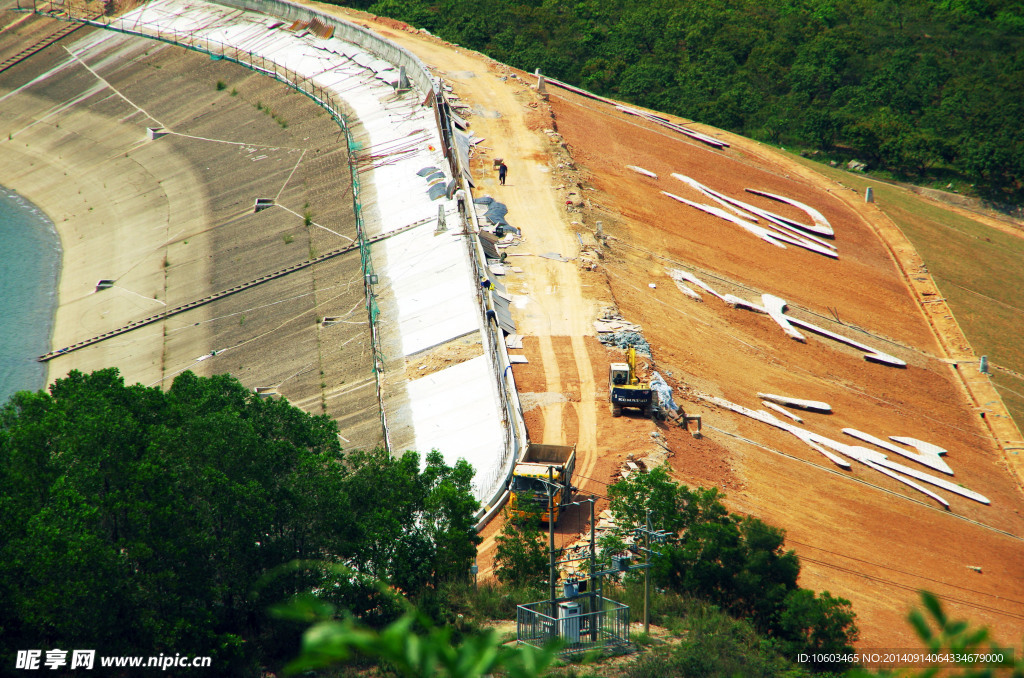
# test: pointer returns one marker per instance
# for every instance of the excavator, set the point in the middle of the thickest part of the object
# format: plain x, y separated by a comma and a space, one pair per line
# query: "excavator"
625, 388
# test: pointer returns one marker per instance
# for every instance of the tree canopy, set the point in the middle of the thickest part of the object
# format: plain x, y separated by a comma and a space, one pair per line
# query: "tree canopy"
139, 521
927, 90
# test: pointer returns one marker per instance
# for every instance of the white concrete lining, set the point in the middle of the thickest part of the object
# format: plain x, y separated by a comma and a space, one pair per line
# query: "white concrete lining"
677, 274
932, 461
810, 405
641, 170
782, 410
920, 445
821, 224
882, 460
870, 353
754, 229
684, 288
870, 458
776, 308
905, 481
782, 230
778, 221
693, 183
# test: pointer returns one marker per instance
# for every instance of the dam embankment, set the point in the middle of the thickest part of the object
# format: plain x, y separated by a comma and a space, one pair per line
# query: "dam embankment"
169, 217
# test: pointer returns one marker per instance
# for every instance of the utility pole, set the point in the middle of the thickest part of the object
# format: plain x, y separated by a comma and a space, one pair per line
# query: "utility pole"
647, 574
593, 550
551, 541
597, 600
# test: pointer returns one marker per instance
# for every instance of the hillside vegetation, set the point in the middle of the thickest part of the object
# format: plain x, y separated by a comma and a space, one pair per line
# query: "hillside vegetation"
925, 90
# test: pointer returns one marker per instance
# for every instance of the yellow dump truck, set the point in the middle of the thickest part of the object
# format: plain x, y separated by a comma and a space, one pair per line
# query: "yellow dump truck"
543, 466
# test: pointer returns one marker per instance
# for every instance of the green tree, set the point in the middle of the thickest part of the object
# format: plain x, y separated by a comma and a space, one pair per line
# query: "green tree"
821, 626
736, 562
674, 507
914, 85
521, 558
136, 521
410, 646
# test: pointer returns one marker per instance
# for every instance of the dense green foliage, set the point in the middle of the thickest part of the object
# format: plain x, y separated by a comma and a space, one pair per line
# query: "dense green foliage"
736, 563
411, 646
521, 558
715, 645
927, 89
137, 521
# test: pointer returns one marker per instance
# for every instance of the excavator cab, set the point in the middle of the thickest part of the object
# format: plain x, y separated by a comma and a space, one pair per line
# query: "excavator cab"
625, 388
619, 374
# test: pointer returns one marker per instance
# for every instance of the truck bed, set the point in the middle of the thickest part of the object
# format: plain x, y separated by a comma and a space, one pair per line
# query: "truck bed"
547, 454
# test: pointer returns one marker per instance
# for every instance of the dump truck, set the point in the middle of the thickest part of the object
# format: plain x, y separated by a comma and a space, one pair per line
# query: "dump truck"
541, 467
625, 388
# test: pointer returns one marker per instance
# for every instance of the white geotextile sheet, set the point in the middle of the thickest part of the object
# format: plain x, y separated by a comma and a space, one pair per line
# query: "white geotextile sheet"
456, 412
430, 279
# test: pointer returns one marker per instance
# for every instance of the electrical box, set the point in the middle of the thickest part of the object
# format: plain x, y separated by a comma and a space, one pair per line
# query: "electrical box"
569, 621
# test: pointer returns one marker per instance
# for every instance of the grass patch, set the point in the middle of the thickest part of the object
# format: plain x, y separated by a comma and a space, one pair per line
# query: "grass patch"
288, 238
1011, 390
714, 644
266, 111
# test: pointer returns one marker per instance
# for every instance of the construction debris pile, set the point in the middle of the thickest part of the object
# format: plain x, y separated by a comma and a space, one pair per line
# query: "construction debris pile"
624, 339
614, 330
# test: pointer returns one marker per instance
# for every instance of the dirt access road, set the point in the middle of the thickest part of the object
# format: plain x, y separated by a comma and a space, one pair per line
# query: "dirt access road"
859, 534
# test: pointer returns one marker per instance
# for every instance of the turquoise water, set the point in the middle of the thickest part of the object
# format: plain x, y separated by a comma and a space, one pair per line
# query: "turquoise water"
29, 271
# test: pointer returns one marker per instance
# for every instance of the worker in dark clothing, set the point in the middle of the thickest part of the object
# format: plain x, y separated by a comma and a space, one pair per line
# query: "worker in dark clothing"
502, 171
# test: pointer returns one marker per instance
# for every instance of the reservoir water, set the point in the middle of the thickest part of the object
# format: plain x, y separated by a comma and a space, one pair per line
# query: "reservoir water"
29, 272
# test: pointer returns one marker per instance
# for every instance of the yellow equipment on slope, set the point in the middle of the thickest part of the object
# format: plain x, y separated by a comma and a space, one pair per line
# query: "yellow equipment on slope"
625, 388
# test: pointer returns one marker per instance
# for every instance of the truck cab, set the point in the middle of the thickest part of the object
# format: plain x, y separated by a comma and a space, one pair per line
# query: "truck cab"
543, 467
